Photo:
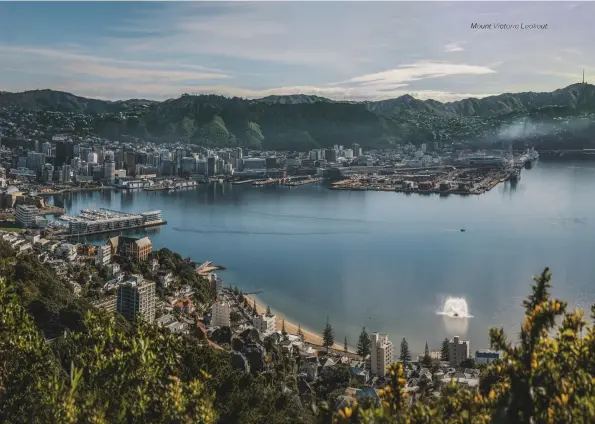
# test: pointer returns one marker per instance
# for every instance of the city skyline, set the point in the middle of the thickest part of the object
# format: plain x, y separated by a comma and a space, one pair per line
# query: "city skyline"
342, 51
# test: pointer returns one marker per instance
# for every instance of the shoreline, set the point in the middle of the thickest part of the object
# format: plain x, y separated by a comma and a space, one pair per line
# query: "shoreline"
310, 337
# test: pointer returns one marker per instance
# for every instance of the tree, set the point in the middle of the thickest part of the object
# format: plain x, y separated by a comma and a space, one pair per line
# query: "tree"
328, 337
405, 353
427, 359
364, 344
444, 352
283, 327
254, 309
146, 362
299, 331
468, 363
246, 304
268, 313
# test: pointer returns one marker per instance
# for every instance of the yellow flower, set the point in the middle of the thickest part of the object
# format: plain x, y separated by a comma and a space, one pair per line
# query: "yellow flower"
492, 395
348, 412
564, 398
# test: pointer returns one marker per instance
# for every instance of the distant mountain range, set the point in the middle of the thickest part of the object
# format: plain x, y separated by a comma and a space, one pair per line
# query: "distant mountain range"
301, 122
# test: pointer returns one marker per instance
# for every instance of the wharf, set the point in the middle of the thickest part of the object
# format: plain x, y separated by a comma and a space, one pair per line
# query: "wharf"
243, 182
303, 182
136, 227
270, 181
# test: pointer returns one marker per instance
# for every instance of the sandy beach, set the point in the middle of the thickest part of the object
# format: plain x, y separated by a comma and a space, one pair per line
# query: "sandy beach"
292, 328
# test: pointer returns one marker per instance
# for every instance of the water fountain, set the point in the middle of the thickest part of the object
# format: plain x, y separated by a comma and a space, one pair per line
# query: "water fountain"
455, 307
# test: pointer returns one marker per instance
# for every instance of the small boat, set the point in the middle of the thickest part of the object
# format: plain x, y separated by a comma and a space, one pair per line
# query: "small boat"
462, 230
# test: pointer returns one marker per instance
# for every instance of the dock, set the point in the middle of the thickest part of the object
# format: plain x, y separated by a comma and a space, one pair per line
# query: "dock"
270, 181
243, 182
303, 182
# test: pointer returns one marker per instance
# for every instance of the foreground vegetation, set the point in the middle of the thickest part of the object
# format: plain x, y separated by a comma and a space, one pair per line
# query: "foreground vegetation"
101, 372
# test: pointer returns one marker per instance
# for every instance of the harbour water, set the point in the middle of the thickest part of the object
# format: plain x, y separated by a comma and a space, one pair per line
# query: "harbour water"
383, 260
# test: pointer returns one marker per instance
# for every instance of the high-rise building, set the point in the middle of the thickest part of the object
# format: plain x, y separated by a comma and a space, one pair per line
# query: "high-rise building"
221, 314
130, 160
357, 150
331, 155
201, 167
189, 165
35, 161
381, 355
109, 166
2, 177
66, 173
458, 351
239, 154
137, 296
64, 152
47, 173
211, 166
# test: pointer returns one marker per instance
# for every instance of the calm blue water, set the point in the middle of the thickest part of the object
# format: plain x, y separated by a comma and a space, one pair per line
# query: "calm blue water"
386, 260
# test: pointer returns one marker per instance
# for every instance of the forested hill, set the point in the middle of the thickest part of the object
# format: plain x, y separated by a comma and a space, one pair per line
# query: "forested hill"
301, 122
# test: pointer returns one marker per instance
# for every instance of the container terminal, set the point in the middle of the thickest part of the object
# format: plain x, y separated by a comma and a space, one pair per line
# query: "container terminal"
98, 221
476, 175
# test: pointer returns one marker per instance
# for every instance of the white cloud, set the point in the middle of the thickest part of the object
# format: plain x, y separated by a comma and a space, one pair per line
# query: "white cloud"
418, 71
453, 47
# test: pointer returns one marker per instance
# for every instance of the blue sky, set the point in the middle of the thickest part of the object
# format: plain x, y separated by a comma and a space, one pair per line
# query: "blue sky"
341, 50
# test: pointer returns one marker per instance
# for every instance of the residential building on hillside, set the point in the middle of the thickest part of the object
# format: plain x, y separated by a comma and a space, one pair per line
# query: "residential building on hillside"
458, 351
221, 311
381, 353
109, 303
103, 255
137, 297
265, 324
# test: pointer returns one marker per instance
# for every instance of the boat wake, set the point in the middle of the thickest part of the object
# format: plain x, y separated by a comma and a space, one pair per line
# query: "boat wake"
455, 307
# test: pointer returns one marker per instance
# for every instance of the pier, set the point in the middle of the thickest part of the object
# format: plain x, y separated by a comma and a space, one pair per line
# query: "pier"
303, 181
270, 181
243, 182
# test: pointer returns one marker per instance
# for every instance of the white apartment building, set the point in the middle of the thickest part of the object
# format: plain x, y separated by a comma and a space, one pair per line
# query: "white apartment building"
265, 325
26, 214
221, 314
103, 255
381, 355
458, 351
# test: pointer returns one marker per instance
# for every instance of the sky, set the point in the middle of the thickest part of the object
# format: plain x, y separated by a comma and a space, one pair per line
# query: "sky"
340, 50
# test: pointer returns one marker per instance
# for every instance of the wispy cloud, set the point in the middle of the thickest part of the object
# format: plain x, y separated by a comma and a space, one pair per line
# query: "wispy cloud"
418, 71
453, 47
